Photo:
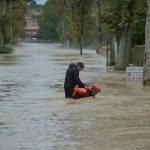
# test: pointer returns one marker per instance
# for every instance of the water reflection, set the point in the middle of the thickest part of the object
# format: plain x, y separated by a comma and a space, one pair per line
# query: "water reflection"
8, 59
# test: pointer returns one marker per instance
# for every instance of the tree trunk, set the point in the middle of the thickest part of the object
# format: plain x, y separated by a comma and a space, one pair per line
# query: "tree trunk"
147, 48
64, 37
112, 50
124, 48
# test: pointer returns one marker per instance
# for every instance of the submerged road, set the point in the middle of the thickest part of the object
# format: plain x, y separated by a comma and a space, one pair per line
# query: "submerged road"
34, 115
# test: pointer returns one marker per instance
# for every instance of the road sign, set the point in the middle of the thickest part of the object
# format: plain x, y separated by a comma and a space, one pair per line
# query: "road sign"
134, 74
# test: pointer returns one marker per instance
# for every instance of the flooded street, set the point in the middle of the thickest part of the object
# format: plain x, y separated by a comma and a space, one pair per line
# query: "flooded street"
34, 115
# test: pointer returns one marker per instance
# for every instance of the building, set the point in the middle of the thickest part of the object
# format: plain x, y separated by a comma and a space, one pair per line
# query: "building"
31, 29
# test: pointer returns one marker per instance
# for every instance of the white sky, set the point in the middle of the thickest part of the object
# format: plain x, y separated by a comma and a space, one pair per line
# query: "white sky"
40, 1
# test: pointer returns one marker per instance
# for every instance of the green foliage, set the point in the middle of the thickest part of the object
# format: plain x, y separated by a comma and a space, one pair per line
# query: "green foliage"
49, 19
12, 20
98, 45
5, 50
73, 21
60, 20
116, 15
33, 5
119, 68
139, 32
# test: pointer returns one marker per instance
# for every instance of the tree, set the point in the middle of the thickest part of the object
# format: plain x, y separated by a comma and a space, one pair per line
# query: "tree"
12, 20
147, 47
80, 21
49, 20
119, 18
31, 4
110, 17
60, 20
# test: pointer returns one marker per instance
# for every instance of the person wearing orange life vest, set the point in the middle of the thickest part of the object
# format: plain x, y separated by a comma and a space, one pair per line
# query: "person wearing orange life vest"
86, 91
72, 78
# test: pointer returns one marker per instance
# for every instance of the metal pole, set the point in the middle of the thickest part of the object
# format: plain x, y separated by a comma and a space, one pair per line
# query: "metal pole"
11, 30
99, 27
99, 6
81, 27
1, 22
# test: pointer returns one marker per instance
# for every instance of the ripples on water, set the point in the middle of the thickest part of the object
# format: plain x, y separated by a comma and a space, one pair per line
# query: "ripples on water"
34, 114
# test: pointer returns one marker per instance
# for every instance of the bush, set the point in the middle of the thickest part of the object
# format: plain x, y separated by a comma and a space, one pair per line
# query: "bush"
98, 46
119, 68
5, 50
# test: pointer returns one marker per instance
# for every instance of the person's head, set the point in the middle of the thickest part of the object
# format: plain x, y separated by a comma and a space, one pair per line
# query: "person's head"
95, 88
80, 66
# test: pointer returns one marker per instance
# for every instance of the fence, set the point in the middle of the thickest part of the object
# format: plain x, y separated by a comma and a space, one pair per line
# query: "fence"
137, 55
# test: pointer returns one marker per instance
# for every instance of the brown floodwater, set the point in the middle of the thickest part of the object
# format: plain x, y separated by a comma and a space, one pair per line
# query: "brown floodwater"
34, 115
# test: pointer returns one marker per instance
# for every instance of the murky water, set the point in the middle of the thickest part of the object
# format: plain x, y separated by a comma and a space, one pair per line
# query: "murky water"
34, 115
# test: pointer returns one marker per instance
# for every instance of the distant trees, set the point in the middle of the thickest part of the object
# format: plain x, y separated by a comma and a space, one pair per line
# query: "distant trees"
122, 22
81, 14
33, 5
50, 20
12, 20
61, 20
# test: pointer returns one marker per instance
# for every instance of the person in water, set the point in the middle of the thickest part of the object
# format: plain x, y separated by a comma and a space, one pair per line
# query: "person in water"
72, 78
86, 92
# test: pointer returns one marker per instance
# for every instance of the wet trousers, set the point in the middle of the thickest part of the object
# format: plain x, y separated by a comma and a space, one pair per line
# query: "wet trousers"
68, 92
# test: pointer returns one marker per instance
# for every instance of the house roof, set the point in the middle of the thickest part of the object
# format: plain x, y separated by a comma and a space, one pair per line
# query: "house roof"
32, 28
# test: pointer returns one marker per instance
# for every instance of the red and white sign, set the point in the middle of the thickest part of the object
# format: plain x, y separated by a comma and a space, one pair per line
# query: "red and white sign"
134, 74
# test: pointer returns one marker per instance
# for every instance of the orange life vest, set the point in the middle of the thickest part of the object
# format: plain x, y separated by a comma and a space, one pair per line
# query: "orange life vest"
83, 92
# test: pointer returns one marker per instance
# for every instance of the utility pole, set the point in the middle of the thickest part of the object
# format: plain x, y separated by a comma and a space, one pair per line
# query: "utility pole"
11, 28
81, 26
1, 22
99, 23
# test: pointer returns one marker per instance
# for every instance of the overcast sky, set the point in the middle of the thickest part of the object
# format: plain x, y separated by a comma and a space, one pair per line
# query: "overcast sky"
40, 1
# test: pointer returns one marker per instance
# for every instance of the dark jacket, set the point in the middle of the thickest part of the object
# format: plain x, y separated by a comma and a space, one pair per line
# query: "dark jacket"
72, 79
72, 65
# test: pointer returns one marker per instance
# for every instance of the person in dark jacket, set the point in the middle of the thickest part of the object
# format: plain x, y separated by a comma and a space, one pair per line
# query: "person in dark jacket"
72, 78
